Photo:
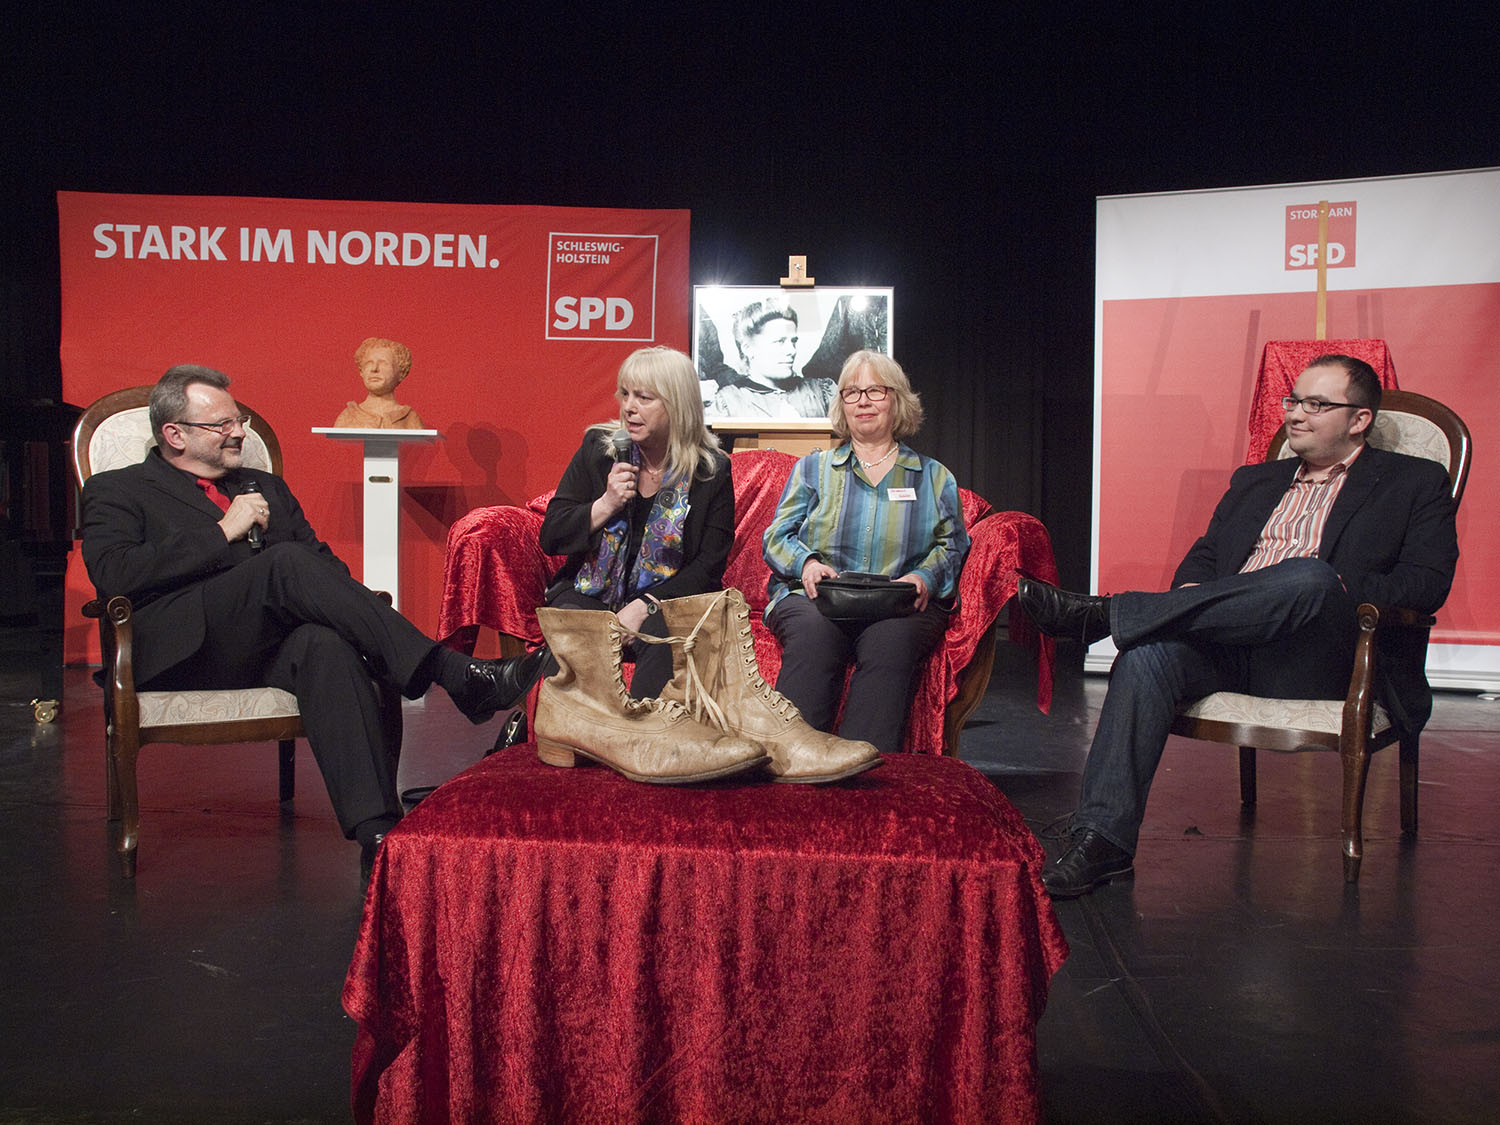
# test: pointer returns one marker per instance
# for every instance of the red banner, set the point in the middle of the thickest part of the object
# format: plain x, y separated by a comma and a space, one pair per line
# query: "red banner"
517, 319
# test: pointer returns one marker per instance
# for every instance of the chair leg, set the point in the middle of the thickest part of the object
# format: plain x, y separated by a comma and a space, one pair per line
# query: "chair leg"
1356, 762
126, 750
287, 761
1409, 748
111, 775
1247, 775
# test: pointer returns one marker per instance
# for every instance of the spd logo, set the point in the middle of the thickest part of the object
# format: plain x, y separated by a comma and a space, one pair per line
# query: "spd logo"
601, 287
1302, 236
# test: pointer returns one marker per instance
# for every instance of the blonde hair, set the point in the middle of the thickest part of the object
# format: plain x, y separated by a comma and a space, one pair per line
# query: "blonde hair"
906, 404
667, 374
400, 353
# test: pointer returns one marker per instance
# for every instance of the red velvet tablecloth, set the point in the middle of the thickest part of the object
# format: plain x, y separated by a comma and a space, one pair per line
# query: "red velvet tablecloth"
545, 944
1281, 363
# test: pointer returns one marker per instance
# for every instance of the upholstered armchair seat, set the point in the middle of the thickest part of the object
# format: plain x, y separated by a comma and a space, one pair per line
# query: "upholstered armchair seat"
1324, 715
191, 708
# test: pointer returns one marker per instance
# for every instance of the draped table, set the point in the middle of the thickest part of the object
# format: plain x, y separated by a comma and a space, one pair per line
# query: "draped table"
543, 944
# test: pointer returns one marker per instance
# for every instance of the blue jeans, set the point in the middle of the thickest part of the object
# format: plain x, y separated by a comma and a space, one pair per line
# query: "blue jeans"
1286, 631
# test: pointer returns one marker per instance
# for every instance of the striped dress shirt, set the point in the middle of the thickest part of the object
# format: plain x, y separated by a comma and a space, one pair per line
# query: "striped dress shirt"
912, 522
1295, 529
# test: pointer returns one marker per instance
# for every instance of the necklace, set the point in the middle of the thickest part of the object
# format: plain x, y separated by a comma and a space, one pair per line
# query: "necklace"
880, 461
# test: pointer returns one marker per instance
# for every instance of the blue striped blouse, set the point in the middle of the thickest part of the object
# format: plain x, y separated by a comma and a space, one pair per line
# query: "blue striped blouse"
910, 523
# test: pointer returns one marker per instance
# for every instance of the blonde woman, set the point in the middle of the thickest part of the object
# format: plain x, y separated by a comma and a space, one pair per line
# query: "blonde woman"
651, 520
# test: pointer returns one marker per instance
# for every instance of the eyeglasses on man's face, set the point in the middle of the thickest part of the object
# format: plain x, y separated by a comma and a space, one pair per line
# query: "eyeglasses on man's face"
876, 393
1313, 405
220, 426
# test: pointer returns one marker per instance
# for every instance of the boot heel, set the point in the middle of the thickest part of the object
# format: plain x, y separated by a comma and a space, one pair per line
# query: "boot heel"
555, 753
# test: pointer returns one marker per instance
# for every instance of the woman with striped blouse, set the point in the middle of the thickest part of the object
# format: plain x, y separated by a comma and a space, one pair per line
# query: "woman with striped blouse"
872, 505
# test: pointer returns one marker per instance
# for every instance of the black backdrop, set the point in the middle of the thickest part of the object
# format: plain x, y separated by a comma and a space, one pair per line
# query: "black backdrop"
955, 156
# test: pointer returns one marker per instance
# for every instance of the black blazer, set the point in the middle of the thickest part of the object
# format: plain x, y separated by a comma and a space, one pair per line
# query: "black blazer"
1391, 536
707, 533
150, 533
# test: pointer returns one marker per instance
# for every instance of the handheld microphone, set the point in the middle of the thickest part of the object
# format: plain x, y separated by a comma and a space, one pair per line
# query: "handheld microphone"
620, 439
256, 540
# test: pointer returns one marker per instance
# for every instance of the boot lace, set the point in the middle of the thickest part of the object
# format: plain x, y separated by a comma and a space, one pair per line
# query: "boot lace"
696, 697
780, 704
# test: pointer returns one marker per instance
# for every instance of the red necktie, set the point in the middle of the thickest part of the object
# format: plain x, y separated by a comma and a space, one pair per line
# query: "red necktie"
211, 490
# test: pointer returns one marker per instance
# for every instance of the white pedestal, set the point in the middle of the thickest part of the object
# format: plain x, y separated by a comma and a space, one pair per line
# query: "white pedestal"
382, 500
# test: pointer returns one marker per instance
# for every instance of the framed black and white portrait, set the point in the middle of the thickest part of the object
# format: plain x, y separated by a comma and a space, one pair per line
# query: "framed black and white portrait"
765, 353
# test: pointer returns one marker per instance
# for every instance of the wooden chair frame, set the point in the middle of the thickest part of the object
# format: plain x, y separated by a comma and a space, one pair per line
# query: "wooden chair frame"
1354, 740
124, 735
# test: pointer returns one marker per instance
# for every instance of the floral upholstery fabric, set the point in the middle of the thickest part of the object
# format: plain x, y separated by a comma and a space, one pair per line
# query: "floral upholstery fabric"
178, 708
125, 439
1323, 715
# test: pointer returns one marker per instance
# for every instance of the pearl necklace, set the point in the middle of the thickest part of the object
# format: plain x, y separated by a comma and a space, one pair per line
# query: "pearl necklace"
882, 460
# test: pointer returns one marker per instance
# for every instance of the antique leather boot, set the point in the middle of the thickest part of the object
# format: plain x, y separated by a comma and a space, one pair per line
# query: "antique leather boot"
584, 710
719, 681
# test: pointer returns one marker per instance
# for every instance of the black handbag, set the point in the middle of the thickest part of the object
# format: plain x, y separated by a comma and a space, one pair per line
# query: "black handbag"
854, 597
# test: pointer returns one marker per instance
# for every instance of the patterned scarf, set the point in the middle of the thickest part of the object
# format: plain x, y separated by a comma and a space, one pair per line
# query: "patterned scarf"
604, 576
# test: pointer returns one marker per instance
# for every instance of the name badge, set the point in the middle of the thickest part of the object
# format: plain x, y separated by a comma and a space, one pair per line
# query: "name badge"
901, 494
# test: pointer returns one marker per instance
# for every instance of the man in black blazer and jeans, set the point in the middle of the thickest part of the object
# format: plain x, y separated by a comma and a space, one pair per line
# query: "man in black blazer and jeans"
231, 588
1264, 603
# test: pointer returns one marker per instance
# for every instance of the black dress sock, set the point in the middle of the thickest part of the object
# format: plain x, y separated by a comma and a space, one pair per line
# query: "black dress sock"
446, 667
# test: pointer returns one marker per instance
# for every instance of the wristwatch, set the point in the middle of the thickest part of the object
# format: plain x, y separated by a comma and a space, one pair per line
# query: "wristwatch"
651, 606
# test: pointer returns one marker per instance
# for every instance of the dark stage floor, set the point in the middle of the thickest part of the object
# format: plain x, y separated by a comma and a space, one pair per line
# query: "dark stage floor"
1235, 978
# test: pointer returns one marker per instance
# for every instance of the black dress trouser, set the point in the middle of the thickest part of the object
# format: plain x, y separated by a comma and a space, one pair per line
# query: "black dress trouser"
293, 619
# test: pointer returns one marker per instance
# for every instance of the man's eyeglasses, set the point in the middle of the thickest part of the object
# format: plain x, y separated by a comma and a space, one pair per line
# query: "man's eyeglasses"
874, 394
1313, 405
220, 426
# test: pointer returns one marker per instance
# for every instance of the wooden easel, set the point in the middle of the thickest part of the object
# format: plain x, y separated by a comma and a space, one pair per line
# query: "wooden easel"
1321, 329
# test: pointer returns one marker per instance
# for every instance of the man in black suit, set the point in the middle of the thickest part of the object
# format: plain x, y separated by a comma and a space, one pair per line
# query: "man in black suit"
231, 588
1265, 603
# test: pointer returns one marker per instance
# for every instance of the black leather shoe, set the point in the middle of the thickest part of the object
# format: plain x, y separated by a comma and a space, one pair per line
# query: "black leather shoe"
367, 855
1090, 861
495, 685
1059, 613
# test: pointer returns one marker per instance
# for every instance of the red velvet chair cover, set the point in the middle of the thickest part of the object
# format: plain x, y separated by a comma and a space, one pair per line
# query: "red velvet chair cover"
544, 944
1281, 363
495, 575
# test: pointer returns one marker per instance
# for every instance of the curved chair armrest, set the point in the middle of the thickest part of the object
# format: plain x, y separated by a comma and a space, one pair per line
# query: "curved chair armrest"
957, 674
1004, 545
1397, 617
1373, 620
117, 635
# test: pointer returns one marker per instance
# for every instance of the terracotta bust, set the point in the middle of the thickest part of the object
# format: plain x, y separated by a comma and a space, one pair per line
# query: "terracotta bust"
382, 364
